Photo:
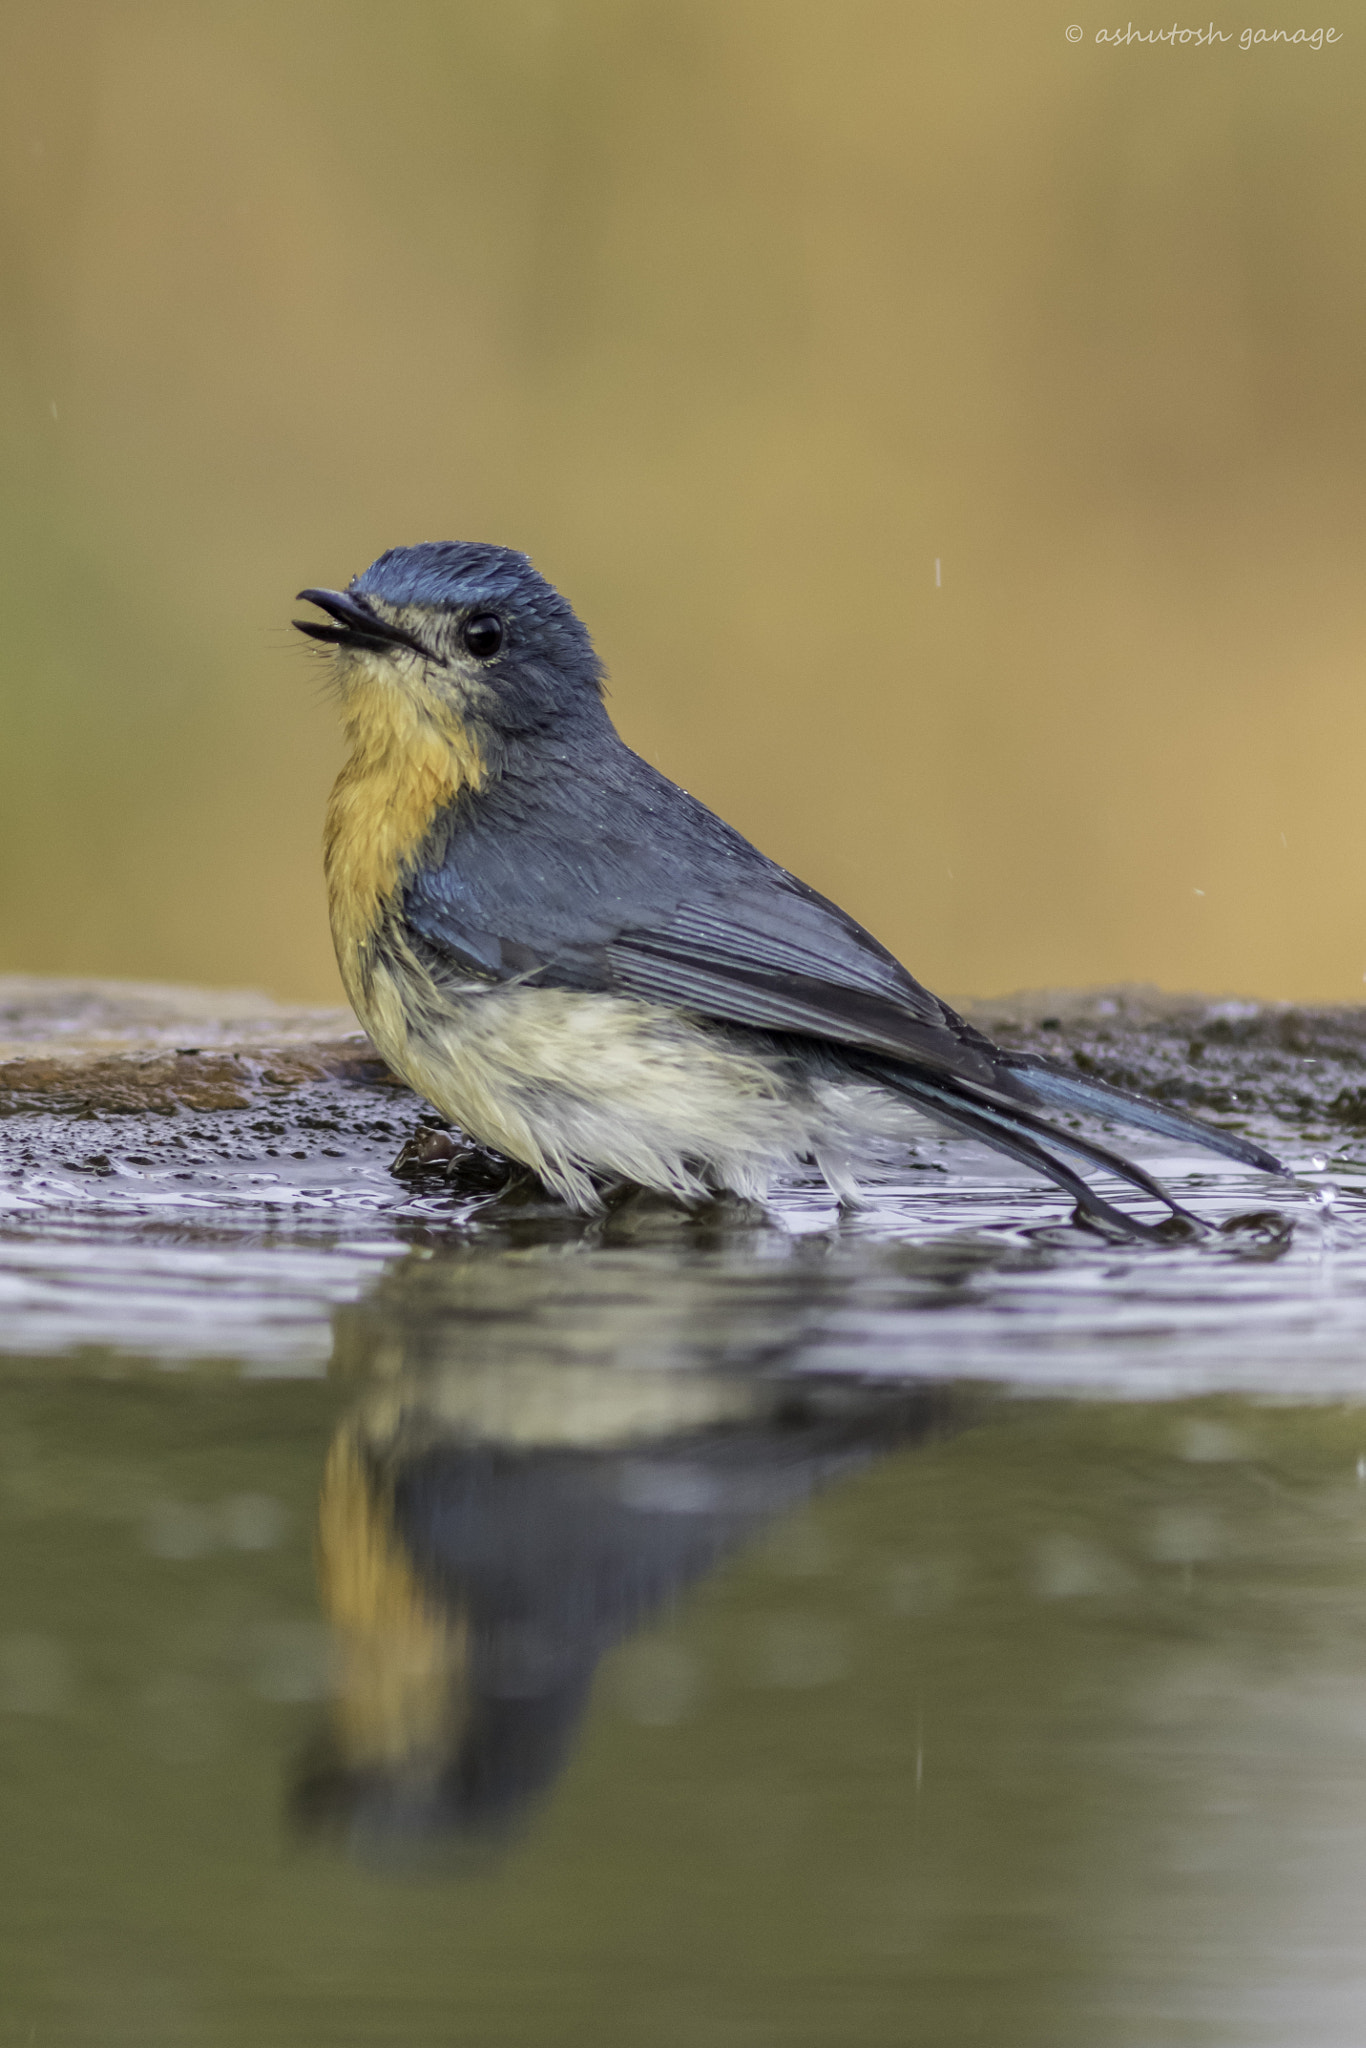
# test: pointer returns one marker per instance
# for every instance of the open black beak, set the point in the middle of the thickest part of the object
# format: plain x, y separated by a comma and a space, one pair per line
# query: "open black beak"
357, 625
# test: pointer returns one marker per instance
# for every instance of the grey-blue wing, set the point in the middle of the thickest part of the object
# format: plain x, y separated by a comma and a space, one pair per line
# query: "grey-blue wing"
634, 888
617, 881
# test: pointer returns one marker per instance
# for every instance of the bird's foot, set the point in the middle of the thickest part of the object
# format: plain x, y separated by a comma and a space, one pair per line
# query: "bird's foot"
437, 1153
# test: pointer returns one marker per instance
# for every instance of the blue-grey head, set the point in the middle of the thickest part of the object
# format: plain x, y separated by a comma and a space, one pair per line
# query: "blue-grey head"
471, 625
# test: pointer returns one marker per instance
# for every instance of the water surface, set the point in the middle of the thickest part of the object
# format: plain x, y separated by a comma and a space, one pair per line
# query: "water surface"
427, 1617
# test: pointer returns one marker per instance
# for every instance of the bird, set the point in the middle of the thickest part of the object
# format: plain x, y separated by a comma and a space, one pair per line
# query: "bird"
590, 973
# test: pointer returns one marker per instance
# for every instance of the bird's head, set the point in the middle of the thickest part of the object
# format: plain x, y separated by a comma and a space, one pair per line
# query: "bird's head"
463, 632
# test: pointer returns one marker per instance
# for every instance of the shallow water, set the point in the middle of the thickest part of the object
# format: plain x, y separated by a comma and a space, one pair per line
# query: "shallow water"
431, 1619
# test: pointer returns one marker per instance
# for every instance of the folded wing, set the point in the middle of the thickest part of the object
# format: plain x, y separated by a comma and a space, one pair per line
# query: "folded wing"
633, 888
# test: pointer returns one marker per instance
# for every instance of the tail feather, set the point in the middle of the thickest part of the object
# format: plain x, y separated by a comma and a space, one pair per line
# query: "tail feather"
1017, 1118
1002, 1120
1062, 1089
1011, 1129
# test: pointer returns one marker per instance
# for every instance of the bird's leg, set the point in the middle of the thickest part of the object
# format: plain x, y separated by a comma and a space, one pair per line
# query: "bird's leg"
428, 1146
437, 1149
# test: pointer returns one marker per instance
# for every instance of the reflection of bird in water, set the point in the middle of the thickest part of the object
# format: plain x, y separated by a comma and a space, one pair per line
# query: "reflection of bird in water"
476, 1583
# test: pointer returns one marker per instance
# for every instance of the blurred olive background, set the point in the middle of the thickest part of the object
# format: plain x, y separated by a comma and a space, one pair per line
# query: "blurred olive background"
736, 317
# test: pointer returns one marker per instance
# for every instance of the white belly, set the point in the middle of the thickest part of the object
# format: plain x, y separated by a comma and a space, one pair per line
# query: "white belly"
576, 1085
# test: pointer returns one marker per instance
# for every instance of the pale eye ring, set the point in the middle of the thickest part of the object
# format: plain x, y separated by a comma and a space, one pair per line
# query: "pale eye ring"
482, 635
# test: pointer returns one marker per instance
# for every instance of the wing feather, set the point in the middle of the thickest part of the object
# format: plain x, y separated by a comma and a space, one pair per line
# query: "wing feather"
740, 941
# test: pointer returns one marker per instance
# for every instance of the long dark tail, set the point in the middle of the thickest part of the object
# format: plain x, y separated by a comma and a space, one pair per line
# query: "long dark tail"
1063, 1089
1008, 1125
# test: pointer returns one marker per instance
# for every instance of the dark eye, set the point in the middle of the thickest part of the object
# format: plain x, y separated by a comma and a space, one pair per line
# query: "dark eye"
483, 634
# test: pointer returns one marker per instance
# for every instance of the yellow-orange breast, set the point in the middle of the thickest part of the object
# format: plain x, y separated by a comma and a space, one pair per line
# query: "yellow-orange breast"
410, 757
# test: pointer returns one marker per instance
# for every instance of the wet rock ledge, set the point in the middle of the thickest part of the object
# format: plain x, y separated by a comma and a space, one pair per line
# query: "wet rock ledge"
112, 1092
140, 1048
132, 1056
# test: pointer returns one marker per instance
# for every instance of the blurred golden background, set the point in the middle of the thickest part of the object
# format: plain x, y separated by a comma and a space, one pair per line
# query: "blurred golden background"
737, 317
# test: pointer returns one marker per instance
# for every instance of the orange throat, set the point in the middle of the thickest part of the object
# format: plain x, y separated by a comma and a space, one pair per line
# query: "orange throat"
409, 759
